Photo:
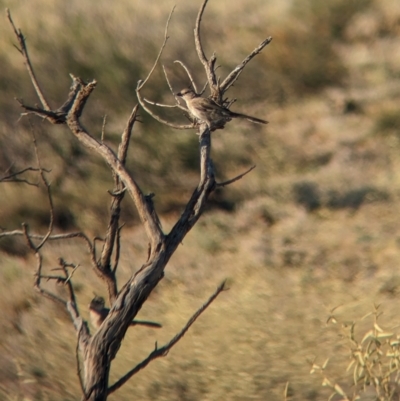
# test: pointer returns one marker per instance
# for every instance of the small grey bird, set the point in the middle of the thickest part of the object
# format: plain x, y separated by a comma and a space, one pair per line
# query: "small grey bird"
208, 111
98, 312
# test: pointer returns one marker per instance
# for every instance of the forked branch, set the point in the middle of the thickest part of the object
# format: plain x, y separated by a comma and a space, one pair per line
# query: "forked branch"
14, 177
112, 236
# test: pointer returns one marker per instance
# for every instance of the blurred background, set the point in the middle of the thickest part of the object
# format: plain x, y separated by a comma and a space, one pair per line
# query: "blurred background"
315, 226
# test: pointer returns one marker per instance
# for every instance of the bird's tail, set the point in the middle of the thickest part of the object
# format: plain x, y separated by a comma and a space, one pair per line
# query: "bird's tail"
249, 118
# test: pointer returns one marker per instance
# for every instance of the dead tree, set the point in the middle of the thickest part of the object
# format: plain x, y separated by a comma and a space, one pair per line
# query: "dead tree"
98, 350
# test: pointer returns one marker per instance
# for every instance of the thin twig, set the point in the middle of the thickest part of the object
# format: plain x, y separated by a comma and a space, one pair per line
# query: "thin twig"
117, 249
234, 75
21, 180
199, 46
163, 351
238, 177
103, 127
203, 89
177, 98
54, 237
209, 65
49, 196
59, 279
158, 118
141, 84
64, 266
55, 117
170, 106
11, 177
166, 37
106, 271
72, 273
168, 81
24, 51
38, 272
188, 73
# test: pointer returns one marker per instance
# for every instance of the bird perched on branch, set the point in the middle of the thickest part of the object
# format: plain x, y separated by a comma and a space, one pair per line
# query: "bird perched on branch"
98, 312
210, 112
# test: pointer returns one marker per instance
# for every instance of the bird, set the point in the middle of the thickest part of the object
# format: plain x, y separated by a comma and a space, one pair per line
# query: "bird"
98, 312
210, 112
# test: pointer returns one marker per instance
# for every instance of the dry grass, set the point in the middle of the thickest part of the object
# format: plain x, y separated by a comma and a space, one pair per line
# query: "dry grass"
313, 227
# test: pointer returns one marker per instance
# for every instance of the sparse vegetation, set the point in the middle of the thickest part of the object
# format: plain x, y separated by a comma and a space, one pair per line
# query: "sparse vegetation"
315, 225
374, 368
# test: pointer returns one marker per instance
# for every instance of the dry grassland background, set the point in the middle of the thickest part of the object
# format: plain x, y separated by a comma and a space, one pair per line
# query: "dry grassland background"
315, 226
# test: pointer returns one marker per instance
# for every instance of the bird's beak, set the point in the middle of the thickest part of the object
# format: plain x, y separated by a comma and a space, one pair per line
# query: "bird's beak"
179, 94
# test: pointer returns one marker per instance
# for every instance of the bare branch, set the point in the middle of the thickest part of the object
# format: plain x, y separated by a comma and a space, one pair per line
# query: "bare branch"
209, 65
113, 226
166, 37
199, 46
25, 233
177, 99
170, 106
79, 324
38, 272
24, 51
168, 82
71, 304
238, 177
163, 351
49, 196
55, 117
204, 88
21, 180
141, 83
117, 249
145, 214
72, 308
37, 282
156, 117
103, 128
12, 177
234, 75
58, 279
54, 237
67, 280
188, 73
126, 135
